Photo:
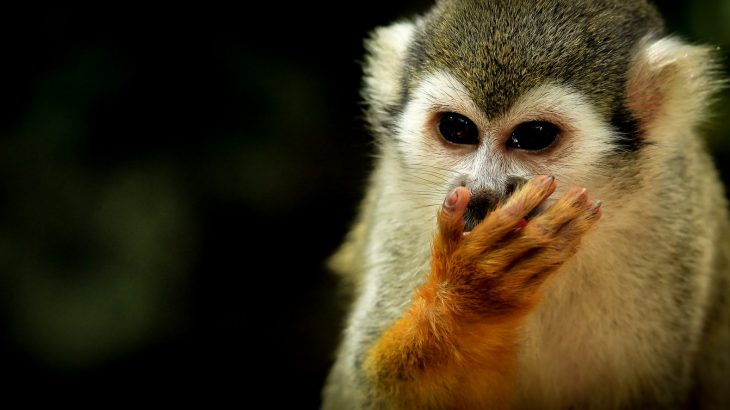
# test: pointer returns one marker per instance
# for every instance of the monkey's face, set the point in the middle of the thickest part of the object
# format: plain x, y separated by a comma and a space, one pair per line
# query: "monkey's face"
444, 139
486, 93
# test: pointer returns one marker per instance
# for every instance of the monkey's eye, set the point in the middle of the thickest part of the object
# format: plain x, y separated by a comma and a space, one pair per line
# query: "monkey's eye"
458, 129
533, 135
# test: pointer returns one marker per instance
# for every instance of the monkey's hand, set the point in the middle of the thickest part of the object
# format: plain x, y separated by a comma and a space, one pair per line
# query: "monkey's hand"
496, 270
456, 345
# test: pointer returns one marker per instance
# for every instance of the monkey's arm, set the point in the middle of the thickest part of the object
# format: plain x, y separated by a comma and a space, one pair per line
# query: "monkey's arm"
456, 345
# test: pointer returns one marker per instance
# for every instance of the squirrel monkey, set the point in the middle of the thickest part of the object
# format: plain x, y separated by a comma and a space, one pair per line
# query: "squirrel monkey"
486, 273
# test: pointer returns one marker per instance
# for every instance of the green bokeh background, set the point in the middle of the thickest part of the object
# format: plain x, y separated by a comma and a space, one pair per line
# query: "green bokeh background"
171, 181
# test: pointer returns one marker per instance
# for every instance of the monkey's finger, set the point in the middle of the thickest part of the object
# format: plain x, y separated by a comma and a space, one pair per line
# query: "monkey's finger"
511, 215
558, 224
559, 246
544, 231
513, 273
569, 206
451, 219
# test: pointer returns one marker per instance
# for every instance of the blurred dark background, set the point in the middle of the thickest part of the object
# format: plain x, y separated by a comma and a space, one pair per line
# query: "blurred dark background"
171, 183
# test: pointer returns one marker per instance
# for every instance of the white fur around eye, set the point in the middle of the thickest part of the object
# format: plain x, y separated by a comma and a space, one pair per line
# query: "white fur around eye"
419, 140
437, 93
585, 140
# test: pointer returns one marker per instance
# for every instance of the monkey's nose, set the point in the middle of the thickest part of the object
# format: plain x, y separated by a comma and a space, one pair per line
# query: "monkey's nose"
513, 184
484, 201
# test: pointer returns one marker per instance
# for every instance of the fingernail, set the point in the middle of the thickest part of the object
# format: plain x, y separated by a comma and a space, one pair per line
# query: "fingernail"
547, 180
452, 198
581, 195
596, 206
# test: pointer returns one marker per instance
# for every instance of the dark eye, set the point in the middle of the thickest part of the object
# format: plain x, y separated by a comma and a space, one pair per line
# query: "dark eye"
458, 129
533, 135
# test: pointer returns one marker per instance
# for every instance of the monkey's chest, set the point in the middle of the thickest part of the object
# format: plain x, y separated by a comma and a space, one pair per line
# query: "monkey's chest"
583, 349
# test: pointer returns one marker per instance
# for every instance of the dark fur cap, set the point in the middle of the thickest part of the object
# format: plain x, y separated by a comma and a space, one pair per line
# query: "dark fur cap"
501, 48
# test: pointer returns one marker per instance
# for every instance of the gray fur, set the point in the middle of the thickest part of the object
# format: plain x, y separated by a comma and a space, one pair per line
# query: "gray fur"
499, 49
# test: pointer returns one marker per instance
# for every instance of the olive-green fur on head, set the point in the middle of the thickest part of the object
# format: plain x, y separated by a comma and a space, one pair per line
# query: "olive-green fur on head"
500, 49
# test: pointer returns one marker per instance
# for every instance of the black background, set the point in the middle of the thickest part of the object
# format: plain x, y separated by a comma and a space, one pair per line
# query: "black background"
171, 183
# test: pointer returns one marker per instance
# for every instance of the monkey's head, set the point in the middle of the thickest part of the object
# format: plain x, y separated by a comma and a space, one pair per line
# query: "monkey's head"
486, 93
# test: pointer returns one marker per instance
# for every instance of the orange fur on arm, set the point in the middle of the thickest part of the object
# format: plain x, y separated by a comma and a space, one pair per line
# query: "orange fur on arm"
429, 359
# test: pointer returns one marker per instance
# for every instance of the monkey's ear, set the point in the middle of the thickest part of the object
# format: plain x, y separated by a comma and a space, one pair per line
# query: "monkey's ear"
670, 85
387, 50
